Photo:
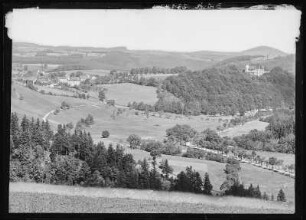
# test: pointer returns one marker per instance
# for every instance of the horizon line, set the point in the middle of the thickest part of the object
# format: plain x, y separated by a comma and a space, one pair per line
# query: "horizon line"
161, 50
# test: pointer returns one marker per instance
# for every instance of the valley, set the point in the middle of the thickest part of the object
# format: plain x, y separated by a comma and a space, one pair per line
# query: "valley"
146, 94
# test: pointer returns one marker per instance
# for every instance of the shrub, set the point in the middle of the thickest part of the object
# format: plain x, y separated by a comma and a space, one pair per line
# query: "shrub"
105, 134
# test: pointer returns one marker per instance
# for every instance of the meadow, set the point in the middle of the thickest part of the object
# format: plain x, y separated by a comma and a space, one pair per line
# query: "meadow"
244, 129
124, 93
32, 197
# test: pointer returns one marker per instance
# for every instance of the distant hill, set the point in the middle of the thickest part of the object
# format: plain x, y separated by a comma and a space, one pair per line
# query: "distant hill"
265, 51
121, 58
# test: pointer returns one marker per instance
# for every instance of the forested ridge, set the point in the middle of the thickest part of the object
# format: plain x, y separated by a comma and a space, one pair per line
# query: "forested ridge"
228, 91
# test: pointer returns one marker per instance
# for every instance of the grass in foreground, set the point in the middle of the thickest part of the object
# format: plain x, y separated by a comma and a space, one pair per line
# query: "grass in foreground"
29, 197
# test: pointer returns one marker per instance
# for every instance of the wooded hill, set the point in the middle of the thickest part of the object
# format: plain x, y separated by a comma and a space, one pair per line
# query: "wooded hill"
228, 90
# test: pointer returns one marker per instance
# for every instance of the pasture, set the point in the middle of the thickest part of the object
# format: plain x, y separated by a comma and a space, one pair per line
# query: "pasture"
32, 197
121, 126
244, 129
124, 93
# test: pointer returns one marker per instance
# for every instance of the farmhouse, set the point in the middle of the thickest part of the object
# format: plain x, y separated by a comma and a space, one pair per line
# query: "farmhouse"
62, 79
74, 81
254, 70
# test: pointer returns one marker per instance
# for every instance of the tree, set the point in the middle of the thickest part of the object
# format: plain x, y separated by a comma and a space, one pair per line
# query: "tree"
272, 161
265, 196
134, 141
89, 120
232, 175
144, 176
281, 196
166, 169
180, 133
207, 185
105, 134
101, 95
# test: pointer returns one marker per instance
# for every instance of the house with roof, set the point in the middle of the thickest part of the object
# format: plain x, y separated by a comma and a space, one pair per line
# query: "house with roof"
255, 70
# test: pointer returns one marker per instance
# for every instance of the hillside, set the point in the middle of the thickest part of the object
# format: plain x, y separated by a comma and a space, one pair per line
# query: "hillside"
227, 90
31, 197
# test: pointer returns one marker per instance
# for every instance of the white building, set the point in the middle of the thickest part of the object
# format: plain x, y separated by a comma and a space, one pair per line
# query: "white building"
255, 71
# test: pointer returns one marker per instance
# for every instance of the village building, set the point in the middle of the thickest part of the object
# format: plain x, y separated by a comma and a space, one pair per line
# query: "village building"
62, 79
255, 71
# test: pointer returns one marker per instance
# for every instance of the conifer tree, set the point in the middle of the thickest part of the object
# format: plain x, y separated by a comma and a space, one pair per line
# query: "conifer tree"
207, 185
272, 197
166, 169
251, 190
197, 182
25, 123
281, 196
144, 178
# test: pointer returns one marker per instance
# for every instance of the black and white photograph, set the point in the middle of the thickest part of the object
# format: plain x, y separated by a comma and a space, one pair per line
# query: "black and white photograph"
158, 110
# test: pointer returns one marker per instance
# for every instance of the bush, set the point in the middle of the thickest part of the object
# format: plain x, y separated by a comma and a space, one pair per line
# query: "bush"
65, 105
105, 134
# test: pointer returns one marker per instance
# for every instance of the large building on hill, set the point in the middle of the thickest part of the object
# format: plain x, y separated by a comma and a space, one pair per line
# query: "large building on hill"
255, 70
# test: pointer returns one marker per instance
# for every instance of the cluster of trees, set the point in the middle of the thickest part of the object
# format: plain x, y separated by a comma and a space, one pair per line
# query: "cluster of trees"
191, 181
76, 74
158, 148
36, 154
279, 135
233, 186
89, 120
124, 77
159, 70
227, 91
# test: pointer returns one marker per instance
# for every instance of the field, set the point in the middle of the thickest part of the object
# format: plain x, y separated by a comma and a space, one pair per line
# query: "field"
244, 129
124, 93
30, 197
287, 158
128, 123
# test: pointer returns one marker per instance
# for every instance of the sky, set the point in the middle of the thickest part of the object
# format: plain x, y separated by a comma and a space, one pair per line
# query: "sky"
158, 29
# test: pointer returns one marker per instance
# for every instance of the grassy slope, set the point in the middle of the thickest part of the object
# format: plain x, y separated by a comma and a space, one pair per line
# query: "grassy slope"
124, 93
35, 104
129, 123
244, 129
29, 197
